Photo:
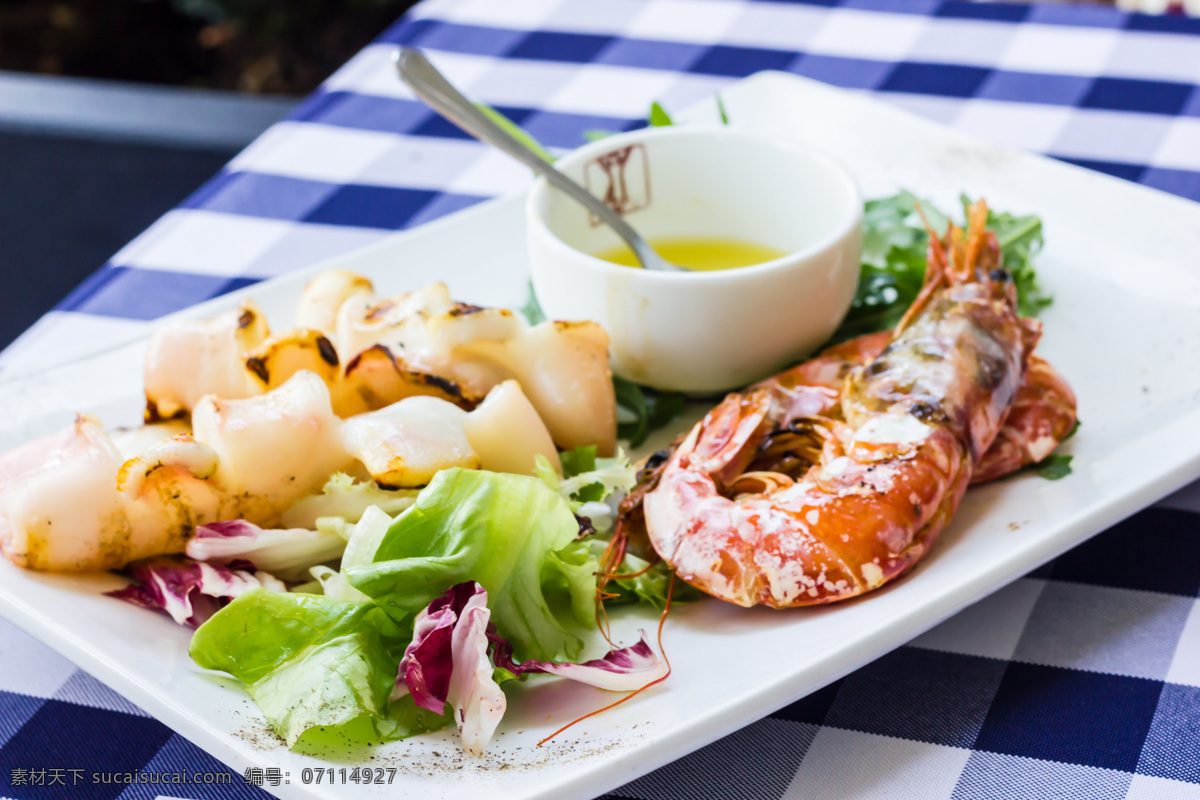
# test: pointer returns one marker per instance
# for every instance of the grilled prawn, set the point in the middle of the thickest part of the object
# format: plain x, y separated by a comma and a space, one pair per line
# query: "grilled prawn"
1042, 414
797, 492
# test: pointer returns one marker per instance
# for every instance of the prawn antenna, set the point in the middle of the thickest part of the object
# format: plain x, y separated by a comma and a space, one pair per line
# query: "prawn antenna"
662, 619
935, 239
977, 215
935, 272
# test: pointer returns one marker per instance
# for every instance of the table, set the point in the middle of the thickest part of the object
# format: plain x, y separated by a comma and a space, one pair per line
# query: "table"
1081, 680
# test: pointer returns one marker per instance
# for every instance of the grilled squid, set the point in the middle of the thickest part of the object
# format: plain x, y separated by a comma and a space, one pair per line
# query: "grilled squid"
82, 499
71, 503
372, 352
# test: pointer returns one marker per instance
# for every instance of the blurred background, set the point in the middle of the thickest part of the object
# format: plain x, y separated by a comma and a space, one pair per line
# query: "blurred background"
243, 45
113, 111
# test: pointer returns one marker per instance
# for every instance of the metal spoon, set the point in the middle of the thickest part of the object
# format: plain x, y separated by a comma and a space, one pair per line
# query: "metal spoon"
432, 87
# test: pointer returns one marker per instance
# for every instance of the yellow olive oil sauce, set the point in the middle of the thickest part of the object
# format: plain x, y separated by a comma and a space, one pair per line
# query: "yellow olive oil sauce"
701, 255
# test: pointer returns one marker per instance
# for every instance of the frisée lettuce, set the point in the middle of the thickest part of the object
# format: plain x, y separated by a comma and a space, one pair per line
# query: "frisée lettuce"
587, 480
346, 498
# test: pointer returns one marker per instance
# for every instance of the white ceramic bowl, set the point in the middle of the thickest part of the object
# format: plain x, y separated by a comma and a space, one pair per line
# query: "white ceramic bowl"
701, 332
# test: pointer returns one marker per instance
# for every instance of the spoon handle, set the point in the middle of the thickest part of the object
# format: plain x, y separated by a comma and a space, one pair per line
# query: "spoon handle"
431, 86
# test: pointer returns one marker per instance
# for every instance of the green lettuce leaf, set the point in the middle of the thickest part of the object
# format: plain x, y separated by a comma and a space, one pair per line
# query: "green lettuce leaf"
362, 540
314, 664
512, 534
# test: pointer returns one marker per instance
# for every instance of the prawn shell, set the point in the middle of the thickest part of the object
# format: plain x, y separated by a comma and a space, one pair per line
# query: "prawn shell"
898, 449
818, 541
1041, 417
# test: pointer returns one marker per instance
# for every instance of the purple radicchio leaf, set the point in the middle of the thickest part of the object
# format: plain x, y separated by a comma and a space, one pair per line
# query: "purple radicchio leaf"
447, 661
285, 552
428, 660
230, 529
622, 670
188, 591
478, 701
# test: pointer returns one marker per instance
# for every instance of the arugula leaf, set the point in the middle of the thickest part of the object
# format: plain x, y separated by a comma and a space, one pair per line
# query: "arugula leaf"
663, 406
515, 130
1055, 467
721, 110
893, 260
1071, 432
1020, 239
579, 460
659, 116
532, 310
631, 398
650, 409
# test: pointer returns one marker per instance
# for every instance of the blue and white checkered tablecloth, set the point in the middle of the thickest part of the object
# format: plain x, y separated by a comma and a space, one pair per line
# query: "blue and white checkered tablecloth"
1079, 681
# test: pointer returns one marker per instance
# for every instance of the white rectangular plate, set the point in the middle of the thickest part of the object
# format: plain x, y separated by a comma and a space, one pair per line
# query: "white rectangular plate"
1124, 329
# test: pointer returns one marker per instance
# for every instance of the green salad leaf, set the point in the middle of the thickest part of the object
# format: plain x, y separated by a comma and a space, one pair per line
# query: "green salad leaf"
512, 534
649, 582
587, 479
578, 460
361, 543
322, 664
1020, 239
659, 116
721, 110
532, 310
1054, 467
314, 664
646, 410
343, 497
